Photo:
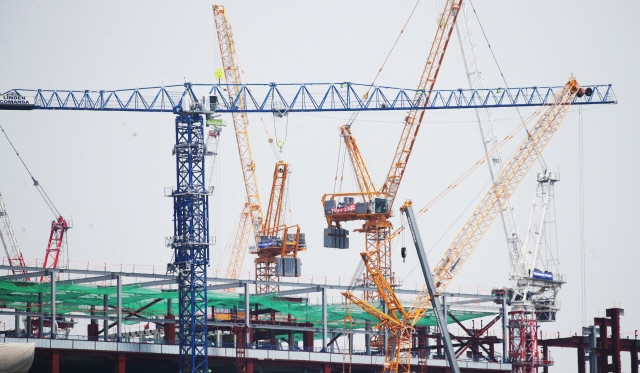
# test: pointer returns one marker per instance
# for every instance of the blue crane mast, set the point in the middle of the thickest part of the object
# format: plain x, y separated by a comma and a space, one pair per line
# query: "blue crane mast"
190, 240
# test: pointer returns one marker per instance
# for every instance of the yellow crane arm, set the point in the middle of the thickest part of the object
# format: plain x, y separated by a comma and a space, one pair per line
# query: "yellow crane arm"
371, 310
238, 250
363, 178
275, 210
240, 120
497, 196
384, 289
427, 81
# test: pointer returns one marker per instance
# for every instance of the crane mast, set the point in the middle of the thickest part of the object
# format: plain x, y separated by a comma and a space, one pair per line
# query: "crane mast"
537, 278
488, 136
521, 264
9, 241
377, 227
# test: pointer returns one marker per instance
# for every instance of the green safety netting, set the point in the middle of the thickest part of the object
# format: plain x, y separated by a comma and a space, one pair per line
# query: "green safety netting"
79, 298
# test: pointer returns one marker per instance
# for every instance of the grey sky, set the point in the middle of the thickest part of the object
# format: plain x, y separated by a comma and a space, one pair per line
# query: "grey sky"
109, 170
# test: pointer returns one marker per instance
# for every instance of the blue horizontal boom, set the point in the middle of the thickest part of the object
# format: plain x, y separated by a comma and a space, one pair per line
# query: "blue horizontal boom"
299, 97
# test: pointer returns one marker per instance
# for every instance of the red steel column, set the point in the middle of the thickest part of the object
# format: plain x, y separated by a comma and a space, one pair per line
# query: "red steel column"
249, 366
169, 330
581, 366
119, 364
327, 368
55, 361
614, 314
634, 359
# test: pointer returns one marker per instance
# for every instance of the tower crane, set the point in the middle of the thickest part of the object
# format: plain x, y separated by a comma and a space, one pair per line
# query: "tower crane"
276, 244
376, 207
190, 240
9, 241
398, 354
532, 292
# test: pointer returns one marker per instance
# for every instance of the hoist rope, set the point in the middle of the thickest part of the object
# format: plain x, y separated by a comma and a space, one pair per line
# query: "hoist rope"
582, 231
44, 195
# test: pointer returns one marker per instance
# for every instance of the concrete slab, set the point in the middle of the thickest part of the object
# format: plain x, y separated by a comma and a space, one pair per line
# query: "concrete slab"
298, 355
279, 355
150, 348
170, 349
84, 345
320, 356
107, 346
59, 343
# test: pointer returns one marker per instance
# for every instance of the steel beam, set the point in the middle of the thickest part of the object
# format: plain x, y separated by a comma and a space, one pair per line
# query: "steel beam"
440, 311
23, 275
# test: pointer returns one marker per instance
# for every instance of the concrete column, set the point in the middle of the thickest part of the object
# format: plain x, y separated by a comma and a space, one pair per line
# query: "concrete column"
331, 348
40, 318
27, 327
351, 343
367, 338
247, 312
505, 332
386, 332
324, 318
427, 341
54, 326
105, 323
119, 302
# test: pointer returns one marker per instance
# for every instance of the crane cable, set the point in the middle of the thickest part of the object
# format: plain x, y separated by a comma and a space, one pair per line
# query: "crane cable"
541, 159
44, 195
366, 95
582, 246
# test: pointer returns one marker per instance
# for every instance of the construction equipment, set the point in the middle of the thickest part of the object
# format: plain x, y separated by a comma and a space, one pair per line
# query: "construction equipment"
399, 351
376, 207
56, 245
9, 241
439, 311
276, 245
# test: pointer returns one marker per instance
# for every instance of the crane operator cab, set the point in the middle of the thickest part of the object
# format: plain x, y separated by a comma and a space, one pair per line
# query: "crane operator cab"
348, 210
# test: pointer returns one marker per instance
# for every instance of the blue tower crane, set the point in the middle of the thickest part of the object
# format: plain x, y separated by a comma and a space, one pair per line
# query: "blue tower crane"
190, 240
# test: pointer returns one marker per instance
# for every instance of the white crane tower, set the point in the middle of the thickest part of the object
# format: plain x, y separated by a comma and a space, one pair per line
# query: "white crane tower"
529, 293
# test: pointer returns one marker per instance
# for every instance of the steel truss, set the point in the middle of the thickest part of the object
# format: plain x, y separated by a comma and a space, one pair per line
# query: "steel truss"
190, 242
300, 97
523, 342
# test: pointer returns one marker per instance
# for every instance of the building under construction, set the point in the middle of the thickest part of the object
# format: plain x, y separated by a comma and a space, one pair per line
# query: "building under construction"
191, 321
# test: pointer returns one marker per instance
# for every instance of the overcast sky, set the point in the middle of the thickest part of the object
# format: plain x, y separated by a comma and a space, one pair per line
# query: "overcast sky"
108, 171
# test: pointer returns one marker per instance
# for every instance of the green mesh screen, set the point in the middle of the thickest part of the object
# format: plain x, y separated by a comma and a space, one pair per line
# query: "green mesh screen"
227, 305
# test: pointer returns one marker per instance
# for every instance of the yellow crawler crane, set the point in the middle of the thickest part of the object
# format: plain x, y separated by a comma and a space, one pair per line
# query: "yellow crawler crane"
398, 355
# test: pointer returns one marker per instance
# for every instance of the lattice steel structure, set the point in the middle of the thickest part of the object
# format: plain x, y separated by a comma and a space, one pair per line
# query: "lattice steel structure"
523, 342
190, 241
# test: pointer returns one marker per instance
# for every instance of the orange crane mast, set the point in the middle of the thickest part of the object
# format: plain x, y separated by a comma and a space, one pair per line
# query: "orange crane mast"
398, 354
377, 208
